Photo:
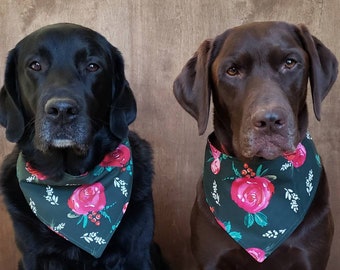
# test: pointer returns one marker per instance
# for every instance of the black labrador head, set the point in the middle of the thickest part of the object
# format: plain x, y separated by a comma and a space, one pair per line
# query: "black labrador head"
257, 75
64, 83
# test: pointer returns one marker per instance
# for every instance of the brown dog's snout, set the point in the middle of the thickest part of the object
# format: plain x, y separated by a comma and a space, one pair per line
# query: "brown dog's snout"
270, 120
61, 109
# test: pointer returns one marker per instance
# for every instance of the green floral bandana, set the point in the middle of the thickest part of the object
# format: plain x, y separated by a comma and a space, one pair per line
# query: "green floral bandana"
261, 203
86, 209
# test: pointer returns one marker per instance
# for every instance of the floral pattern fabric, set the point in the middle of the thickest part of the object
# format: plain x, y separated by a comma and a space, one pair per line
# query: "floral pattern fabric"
86, 209
260, 203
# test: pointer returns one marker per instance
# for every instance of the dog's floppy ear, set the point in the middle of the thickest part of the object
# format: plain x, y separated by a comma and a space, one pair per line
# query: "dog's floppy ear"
10, 114
191, 87
323, 68
123, 106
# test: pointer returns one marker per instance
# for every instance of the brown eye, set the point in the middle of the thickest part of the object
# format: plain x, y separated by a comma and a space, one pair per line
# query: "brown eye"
92, 67
35, 65
290, 63
233, 71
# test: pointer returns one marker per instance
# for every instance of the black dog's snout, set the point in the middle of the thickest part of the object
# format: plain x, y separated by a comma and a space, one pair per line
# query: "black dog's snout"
269, 120
61, 109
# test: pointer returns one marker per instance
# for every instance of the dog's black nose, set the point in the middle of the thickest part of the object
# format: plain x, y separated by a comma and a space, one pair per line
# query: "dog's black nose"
61, 109
269, 120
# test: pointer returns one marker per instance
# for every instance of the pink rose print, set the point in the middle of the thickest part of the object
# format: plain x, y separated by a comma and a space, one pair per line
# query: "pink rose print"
118, 158
215, 166
35, 172
298, 157
125, 206
87, 198
257, 253
252, 194
216, 163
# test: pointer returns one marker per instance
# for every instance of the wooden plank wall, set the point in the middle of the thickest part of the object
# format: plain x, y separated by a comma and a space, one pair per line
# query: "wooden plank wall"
156, 39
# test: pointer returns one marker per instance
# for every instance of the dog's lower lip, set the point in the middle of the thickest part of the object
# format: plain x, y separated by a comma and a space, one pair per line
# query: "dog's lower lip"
62, 143
288, 153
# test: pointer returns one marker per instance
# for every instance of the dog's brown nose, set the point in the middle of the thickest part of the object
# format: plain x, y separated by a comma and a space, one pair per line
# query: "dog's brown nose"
61, 109
269, 120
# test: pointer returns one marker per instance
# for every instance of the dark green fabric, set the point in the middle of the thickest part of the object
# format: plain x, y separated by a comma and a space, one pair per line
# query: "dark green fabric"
87, 209
261, 203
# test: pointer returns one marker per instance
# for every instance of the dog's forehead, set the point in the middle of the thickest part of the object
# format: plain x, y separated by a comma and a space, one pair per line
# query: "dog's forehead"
67, 38
256, 36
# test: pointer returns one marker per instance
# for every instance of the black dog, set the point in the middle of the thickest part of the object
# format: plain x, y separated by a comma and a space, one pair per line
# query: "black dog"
257, 75
66, 104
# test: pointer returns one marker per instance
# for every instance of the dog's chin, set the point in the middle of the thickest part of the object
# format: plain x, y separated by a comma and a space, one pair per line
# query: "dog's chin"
269, 151
269, 154
80, 149
61, 144
268, 147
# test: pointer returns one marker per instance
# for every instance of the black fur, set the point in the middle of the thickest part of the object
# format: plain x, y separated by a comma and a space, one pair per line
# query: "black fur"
104, 108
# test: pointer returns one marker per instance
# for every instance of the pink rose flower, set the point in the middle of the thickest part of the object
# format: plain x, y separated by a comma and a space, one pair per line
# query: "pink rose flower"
298, 157
87, 198
35, 172
215, 166
252, 194
125, 206
118, 158
257, 253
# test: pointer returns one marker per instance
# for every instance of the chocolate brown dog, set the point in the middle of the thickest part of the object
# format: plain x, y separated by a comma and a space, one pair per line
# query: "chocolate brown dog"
257, 75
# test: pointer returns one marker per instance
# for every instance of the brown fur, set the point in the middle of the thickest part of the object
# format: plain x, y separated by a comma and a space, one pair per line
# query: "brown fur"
257, 75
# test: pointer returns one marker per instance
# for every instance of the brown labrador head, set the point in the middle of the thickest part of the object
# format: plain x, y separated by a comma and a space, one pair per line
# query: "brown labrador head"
257, 75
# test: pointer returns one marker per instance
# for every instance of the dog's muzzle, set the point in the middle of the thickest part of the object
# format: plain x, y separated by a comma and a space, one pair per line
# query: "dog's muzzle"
62, 123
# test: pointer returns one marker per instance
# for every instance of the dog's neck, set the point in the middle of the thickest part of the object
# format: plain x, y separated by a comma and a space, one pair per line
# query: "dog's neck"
217, 144
222, 138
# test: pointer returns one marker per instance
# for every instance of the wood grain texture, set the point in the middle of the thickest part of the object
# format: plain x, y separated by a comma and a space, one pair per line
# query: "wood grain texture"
156, 39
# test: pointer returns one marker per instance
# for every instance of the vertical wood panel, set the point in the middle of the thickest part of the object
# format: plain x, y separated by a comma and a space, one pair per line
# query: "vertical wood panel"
156, 39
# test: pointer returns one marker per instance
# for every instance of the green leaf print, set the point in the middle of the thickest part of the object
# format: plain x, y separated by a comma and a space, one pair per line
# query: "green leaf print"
249, 220
261, 219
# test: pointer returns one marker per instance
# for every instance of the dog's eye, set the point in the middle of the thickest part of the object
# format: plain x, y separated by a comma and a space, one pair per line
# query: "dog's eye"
35, 65
233, 71
290, 63
92, 67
